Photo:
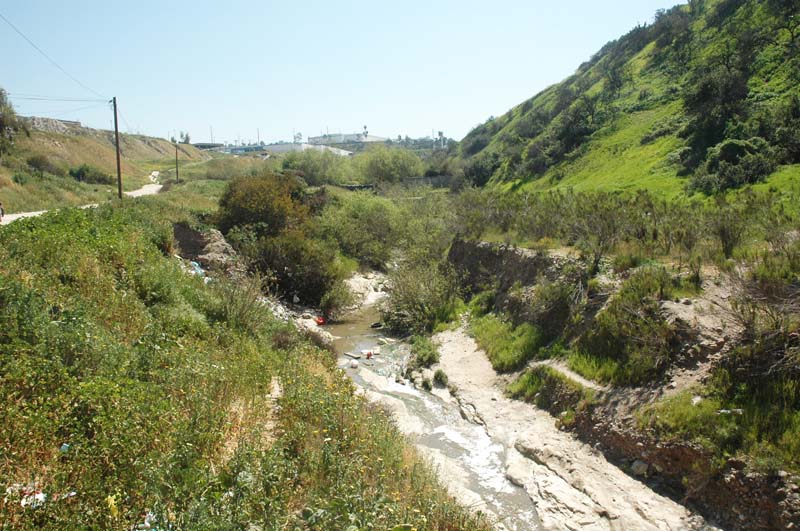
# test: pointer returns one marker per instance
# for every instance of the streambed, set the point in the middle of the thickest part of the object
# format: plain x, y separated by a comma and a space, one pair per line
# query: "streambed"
470, 463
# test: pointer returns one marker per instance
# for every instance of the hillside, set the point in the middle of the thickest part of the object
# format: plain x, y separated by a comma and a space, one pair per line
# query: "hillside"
36, 174
703, 99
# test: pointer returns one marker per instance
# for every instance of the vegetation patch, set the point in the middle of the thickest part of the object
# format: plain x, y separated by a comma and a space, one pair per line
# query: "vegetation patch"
509, 348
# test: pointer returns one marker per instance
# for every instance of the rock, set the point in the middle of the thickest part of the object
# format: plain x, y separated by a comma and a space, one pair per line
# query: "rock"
639, 468
687, 302
295, 299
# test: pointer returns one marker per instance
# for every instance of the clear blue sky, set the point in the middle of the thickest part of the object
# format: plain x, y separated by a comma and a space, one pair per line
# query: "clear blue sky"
240, 65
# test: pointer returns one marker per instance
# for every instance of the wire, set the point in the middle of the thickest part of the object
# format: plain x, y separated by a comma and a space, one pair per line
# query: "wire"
49, 58
48, 98
65, 111
127, 125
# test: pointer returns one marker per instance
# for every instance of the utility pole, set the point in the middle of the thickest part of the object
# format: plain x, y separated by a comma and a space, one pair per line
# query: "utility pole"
177, 177
116, 136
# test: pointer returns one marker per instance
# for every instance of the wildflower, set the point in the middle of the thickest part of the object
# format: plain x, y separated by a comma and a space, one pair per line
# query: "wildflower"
111, 500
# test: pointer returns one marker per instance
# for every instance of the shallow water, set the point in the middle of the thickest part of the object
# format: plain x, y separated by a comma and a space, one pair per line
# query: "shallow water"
470, 463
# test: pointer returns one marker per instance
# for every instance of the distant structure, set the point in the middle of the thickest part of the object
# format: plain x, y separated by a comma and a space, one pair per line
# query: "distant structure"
355, 138
290, 147
209, 146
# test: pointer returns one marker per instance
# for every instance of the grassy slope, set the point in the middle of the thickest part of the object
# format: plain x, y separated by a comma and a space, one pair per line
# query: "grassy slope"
158, 384
614, 157
140, 156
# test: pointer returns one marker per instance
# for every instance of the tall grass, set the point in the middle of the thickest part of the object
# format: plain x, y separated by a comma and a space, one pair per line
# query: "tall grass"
509, 348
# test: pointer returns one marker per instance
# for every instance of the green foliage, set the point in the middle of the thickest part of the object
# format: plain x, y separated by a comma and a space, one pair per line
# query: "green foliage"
545, 386
421, 295
365, 227
440, 378
654, 105
336, 300
509, 348
298, 265
386, 165
630, 336
318, 167
733, 164
41, 164
91, 175
423, 353
141, 388
10, 124
552, 306
267, 202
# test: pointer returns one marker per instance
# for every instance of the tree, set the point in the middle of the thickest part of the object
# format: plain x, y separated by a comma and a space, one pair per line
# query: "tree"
268, 203
10, 124
185, 138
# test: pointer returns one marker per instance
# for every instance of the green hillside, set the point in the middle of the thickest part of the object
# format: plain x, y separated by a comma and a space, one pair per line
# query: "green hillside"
704, 99
35, 174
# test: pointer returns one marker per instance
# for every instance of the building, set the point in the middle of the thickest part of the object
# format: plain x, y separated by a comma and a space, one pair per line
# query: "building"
288, 147
355, 138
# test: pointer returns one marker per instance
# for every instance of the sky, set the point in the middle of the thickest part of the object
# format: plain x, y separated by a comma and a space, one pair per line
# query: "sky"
260, 69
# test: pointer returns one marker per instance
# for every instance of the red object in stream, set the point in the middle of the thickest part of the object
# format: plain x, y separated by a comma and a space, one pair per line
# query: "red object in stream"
320, 320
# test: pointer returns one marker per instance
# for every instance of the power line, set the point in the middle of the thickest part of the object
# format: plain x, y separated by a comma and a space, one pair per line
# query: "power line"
48, 57
49, 98
65, 111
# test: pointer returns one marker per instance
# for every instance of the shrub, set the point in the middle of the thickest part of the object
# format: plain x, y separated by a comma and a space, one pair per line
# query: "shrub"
732, 164
337, 299
365, 227
420, 296
440, 378
298, 265
631, 340
91, 175
552, 306
267, 202
42, 164
424, 353
387, 165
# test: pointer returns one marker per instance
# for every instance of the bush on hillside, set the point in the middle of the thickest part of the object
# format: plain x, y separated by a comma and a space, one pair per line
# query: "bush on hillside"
41, 164
91, 175
631, 332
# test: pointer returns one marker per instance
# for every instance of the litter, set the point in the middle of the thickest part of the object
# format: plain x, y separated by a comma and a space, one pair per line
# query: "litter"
196, 269
352, 355
353, 364
320, 320
376, 326
64, 448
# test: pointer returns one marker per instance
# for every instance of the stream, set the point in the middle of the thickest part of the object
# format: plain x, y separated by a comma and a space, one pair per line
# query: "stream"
469, 462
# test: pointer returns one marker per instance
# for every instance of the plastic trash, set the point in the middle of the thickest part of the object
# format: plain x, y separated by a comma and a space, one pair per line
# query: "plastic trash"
354, 364
320, 320
64, 448
196, 269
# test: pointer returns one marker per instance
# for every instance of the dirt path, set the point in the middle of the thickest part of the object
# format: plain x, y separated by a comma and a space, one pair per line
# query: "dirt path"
574, 487
148, 189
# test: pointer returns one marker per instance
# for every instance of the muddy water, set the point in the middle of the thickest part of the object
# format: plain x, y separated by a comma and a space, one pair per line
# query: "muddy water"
470, 464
